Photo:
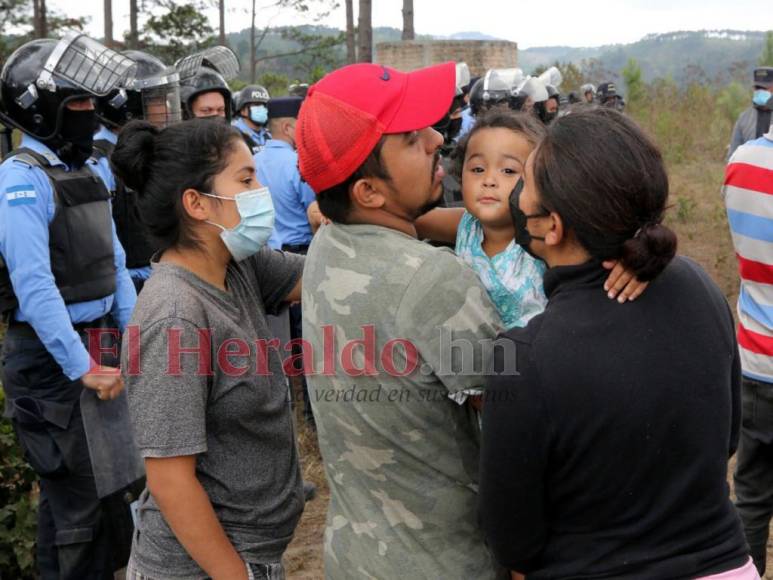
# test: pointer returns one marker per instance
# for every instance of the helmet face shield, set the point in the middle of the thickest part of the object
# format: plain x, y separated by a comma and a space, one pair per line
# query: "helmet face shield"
87, 64
220, 58
161, 105
502, 79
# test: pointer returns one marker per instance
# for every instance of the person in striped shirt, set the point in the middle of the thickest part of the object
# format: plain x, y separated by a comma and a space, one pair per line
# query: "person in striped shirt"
748, 193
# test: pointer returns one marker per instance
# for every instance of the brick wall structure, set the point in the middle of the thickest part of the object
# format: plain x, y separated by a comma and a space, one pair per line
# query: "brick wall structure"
480, 55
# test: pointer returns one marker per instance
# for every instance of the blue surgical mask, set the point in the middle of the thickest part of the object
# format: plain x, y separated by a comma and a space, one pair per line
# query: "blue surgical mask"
256, 211
259, 114
761, 97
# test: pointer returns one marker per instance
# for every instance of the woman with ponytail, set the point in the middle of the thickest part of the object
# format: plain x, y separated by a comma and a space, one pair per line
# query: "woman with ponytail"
209, 406
606, 455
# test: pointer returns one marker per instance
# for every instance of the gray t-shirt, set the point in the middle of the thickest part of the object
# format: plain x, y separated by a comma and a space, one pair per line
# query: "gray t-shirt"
237, 422
400, 455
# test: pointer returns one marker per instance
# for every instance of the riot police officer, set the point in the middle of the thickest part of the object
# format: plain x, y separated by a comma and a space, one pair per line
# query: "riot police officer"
755, 121
63, 274
204, 91
547, 110
154, 95
494, 89
298, 89
609, 97
250, 107
588, 92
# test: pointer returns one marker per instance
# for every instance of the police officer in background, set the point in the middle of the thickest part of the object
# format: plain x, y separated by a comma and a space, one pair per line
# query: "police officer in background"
250, 107
755, 121
298, 89
547, 110
277, 169
154, 95
468, 119
204, 91
588, 92
63, 272
609, 97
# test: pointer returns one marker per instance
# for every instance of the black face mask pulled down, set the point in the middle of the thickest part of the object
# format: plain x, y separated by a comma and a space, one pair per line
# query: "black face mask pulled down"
74, 143
522, 235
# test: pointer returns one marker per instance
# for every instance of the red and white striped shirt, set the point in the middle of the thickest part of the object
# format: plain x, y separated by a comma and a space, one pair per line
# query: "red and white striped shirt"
748, 193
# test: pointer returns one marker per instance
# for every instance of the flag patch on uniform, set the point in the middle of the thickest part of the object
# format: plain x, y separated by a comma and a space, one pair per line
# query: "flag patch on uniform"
21, 195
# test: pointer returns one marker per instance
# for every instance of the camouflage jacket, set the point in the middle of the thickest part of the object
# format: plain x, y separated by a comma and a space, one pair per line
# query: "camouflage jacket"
397, 327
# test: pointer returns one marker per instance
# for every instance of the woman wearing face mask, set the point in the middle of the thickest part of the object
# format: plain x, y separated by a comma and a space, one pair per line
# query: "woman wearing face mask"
207, 395
606, 456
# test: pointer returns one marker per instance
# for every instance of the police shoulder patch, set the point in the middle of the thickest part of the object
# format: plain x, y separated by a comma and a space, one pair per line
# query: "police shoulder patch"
21, 195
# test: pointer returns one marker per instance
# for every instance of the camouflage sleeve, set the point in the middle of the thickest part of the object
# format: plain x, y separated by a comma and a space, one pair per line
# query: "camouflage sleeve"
447, 315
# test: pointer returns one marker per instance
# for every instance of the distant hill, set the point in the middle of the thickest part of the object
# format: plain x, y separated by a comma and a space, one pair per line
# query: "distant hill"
712, 56
719, 54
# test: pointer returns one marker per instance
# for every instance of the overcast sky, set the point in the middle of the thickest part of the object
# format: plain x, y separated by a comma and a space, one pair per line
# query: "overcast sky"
530, 22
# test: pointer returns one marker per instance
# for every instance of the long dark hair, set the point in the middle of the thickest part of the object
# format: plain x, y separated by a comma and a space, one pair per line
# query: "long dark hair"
606, 179
160, 164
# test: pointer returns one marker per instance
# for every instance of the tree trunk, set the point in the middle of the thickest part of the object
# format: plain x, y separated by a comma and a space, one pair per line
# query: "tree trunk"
365, 32
408, 32
253, 48
39, 17
133, 34
222, 22
351, 43
109, 23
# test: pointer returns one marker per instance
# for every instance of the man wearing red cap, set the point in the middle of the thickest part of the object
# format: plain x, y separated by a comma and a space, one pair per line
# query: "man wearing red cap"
399, 330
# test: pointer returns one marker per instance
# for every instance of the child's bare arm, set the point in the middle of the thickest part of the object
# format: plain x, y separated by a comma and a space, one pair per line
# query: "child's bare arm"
440, 224
315, 217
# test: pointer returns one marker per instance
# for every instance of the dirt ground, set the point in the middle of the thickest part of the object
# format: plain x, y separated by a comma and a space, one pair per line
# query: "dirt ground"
697, 215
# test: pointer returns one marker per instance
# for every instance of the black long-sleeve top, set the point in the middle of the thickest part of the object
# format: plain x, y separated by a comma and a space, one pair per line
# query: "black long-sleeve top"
606, 456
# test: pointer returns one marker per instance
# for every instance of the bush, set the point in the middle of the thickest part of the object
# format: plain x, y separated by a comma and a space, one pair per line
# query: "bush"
18, 506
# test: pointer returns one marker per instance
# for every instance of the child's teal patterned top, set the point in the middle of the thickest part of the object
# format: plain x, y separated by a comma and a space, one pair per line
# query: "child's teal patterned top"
513, 278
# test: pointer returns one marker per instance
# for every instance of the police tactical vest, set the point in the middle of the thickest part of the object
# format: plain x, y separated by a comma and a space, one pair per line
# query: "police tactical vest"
763, 122
252, 144
129, 226
80, 236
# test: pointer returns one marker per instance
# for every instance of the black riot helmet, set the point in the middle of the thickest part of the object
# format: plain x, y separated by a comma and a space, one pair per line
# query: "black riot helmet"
42, 76
205, 72
609, 97
298, 90
206, 80
495, 88
251, 95
451, 123
153, 94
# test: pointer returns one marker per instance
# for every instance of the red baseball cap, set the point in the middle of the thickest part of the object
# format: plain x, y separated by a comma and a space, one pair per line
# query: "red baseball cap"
346, 113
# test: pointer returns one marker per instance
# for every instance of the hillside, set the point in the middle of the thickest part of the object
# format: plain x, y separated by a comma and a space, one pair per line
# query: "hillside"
721, 55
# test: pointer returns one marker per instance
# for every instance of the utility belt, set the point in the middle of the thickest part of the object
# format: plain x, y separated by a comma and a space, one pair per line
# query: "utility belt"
25, 330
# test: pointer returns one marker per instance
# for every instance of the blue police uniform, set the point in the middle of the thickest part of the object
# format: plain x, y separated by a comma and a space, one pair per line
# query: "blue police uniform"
277, 168
468, 121
258, 138
44, 356
101, 167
